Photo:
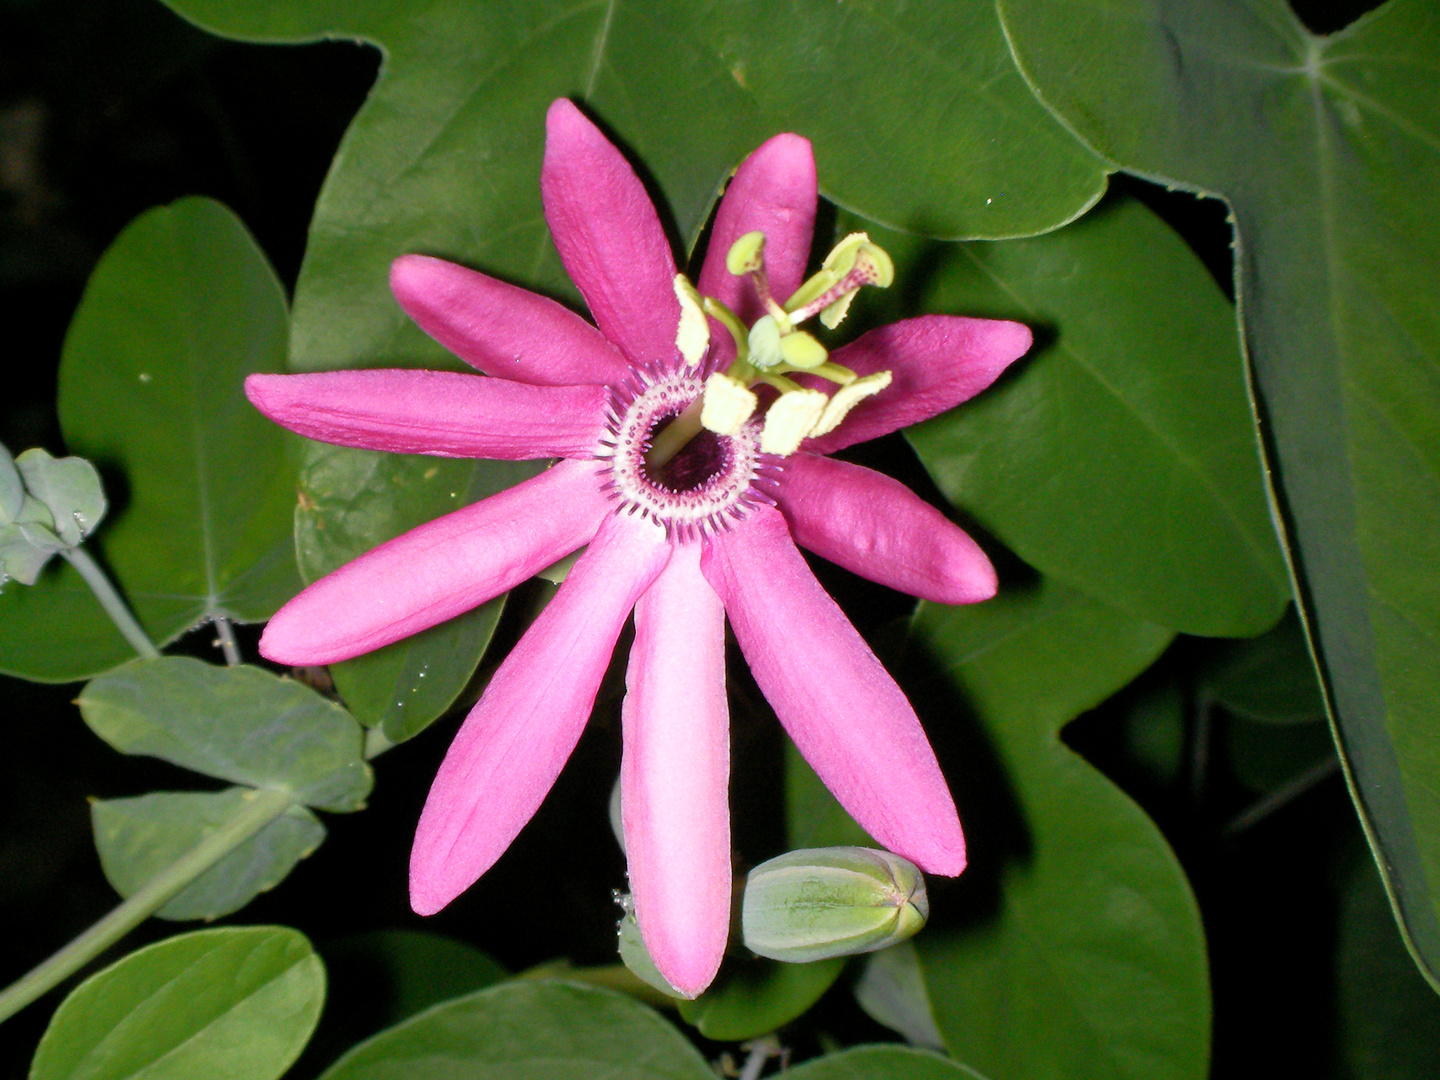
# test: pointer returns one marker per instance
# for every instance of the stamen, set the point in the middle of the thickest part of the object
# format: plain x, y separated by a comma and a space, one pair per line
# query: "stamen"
852, 263
846, 398
728, 404
790, 418
728, 319
692, 336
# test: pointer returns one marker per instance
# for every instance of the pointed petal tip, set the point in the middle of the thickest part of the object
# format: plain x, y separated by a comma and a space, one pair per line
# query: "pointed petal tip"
689, 966
425, 897
564, 117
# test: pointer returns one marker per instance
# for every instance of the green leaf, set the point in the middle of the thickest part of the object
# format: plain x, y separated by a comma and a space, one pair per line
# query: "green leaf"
882, 1063
1092, 961
237, 1003
1121, 455
753, 997
1326, 150
240, 724
180, 309
354, 500
1270, 678
554, 1030
138, 838
69, 488
1389, 1019
444, 158
891, 990
395, 974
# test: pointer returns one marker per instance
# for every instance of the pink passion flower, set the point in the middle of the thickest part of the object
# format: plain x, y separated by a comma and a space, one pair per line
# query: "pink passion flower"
711, 534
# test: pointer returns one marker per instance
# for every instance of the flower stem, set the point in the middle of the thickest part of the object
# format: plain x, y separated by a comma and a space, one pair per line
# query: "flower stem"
264, 807
674, 435
111, 602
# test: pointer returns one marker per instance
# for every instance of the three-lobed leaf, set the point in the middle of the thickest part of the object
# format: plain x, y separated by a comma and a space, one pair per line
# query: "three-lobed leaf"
1328, 152
1089, 959
1120, 456
240, 724
238, 1003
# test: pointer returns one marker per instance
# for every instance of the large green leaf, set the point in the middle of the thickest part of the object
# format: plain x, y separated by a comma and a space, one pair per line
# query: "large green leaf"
353, 500
1090, 959
139, 838
528, 1031
1328, 151
1121, 456
240, 724
882, 1063
237, 1003
180, 309
445, 156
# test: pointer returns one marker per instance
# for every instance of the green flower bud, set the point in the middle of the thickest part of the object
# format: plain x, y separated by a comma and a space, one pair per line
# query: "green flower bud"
823, 902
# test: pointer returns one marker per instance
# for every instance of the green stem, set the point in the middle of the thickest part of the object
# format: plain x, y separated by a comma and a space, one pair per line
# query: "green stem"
111, 602
673, 437
228, 644
265, 806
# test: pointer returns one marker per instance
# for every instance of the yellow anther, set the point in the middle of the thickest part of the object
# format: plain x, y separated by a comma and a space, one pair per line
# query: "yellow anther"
846, 398
692, 336
789, 420
747, 254
853, 262
800, 350
835, 314
728, 404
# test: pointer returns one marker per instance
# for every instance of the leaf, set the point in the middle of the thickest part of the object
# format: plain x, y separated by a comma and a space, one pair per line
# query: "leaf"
1388, 1018
754, 996
444, 158
237, 1003
354, 500
891, 990
138, 838
70, 489
179, 310
1270, 678
399, 973
554, 1030
240, 724
1121, 455
882, 1063
1090, 959
1328, 152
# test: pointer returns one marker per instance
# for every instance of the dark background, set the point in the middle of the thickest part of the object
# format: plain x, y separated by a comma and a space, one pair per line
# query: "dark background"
109, 107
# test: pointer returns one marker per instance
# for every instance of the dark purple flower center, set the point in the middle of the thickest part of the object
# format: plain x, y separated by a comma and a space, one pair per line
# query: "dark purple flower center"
708, 484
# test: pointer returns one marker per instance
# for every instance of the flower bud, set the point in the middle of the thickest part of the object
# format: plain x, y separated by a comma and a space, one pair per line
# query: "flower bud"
823, 902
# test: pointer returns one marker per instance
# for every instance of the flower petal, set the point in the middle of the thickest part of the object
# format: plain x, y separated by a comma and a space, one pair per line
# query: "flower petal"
772, 192
514, 743
440, 569
937, 362
609, 237
848, 718
500, 328
880, 529
435, 412
675, 772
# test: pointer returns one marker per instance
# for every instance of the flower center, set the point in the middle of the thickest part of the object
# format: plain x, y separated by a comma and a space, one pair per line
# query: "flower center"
710, 482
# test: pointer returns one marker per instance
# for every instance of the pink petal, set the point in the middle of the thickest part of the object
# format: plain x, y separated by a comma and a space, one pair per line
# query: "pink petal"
773, 192
878, 528
848, 718
938, 361
439, 570
675, 772
609, 237
514, 743
501, 329
435, 412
